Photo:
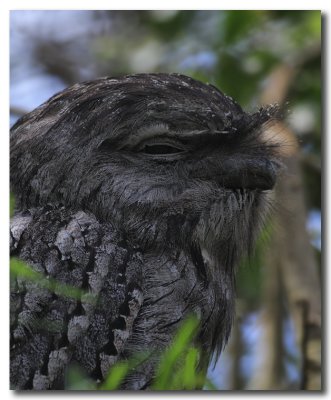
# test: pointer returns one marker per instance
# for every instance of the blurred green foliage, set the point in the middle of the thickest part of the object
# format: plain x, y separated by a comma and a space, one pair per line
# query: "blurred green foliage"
116, 376
178, 368
19, 269
11, 205
76, 379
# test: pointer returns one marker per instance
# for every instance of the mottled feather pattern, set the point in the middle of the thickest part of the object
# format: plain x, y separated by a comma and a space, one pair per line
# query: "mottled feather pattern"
143, 192
78, 251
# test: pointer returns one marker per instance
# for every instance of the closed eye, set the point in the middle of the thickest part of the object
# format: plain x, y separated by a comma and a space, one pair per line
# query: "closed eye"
161, 149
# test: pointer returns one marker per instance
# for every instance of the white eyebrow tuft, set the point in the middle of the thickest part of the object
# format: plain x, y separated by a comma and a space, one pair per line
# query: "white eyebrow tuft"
153, 129
146, 132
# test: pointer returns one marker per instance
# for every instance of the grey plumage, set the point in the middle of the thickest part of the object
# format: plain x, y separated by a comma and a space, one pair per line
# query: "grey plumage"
144, 192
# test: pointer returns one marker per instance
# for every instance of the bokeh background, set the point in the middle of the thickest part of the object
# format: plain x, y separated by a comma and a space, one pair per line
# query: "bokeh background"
257, 57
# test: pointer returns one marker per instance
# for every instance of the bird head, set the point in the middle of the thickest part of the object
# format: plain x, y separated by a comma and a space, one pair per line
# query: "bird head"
163, 156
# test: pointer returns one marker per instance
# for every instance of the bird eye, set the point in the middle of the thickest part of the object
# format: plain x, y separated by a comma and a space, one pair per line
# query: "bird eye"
161, 149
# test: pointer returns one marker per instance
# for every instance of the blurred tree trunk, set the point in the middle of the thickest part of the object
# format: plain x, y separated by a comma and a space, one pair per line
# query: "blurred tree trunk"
292, 249
235, 350
269, 371
300, 272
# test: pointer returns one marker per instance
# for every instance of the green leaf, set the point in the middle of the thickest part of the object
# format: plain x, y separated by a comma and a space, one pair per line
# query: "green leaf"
189, 374
20, 269
118, 372
116, 376
168, 362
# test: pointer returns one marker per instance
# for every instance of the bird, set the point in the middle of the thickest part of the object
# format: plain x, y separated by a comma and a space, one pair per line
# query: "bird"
143, 192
